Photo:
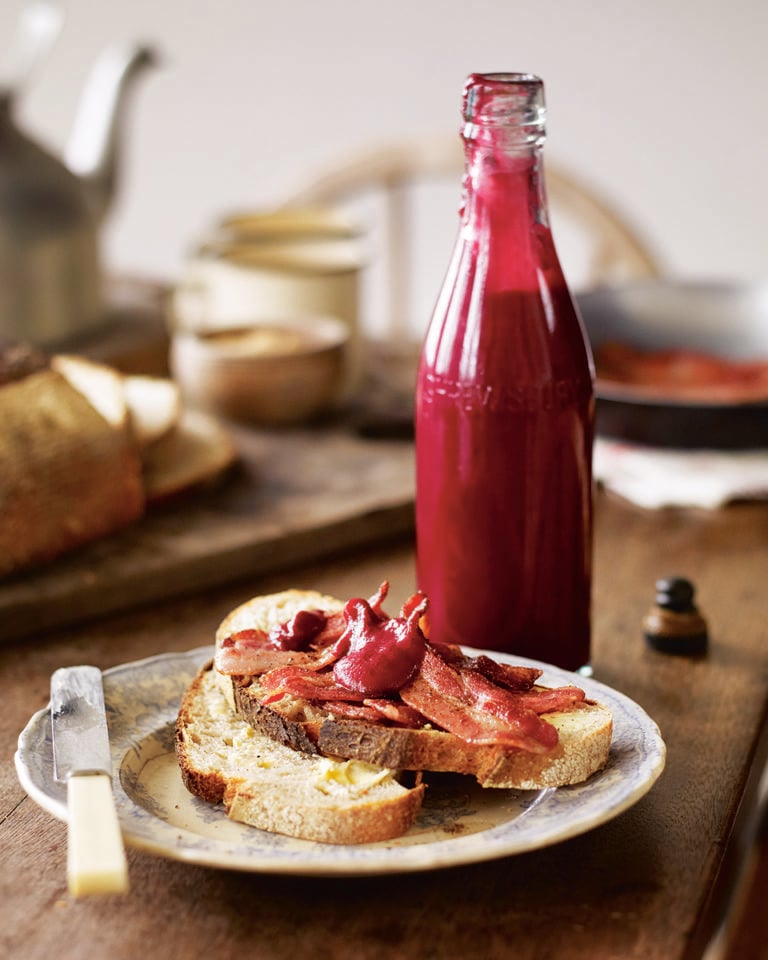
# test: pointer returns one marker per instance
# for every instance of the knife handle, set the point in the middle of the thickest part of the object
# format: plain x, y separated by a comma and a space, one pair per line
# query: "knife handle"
95, 855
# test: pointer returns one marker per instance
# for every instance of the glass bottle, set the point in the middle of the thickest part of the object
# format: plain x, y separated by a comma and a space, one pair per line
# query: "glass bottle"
505, 406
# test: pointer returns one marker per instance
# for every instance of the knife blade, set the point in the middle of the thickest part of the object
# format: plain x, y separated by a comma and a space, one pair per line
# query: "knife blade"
95, 854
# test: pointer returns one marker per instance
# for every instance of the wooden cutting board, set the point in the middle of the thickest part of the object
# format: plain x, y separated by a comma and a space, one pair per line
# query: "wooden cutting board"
293, 496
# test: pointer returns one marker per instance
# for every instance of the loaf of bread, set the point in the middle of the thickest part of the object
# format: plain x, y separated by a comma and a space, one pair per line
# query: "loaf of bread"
267, 785
68, 474
85, 450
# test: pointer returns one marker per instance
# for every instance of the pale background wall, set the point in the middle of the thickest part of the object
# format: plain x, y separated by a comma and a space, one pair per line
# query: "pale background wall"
662, 103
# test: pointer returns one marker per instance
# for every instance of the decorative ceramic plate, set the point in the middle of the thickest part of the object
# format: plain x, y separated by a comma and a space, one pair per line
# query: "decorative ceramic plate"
459, 822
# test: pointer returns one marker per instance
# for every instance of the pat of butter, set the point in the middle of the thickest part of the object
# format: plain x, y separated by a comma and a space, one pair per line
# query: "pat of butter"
220, 708
243, 735
355, 774
248, 746
95, 855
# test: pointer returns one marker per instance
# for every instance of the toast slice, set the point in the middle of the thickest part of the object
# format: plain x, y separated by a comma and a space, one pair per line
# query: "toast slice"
272, 787
584, 729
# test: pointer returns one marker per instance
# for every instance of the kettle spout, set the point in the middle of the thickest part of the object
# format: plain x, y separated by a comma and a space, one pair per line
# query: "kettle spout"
92, 152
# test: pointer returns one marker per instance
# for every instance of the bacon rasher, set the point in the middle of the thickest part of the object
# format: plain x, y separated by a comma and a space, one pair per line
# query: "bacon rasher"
512, 677
252, 652
245, 654
306, 684
361, 664
465, 703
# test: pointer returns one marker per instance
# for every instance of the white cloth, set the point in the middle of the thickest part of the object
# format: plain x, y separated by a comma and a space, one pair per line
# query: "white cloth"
653, 477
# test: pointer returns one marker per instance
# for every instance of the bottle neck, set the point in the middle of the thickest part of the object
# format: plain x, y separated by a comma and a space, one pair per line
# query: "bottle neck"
503, 189
504, 218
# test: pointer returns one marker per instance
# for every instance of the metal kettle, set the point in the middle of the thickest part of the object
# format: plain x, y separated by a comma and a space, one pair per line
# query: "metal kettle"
51, 209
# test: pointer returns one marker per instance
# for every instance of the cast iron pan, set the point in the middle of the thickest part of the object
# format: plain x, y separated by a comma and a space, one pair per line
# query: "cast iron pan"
725, 320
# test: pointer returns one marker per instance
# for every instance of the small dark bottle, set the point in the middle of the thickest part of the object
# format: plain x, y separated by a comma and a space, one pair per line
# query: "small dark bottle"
674, 624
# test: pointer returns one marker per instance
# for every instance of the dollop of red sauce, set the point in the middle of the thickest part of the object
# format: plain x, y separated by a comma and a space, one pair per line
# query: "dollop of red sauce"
378, 655
299, 632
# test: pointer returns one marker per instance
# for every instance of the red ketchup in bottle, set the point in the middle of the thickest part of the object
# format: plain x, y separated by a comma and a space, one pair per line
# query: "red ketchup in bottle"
505, 407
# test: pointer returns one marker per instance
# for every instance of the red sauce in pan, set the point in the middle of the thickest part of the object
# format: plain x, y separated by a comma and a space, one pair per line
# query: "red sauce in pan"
681, 373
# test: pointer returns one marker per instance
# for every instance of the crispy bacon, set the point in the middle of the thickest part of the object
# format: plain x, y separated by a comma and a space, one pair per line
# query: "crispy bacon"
510, 677
249, 653
397, 712
361, 664
352, 711
307, 684
322, 689
334, 627
550, 699
473, 708
499, 701
417, 601
246, 639
237, 662
306, 640
377, 711
375, 602
504, 674
300, 631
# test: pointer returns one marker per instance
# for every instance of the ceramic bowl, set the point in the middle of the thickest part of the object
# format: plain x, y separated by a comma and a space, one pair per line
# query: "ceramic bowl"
273, 373
724, 321
254, 267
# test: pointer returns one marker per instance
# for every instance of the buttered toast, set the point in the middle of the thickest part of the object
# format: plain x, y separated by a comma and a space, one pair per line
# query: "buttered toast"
449, 716
273, 787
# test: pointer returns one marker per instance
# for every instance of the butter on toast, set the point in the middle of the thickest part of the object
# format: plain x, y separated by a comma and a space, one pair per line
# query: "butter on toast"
273, 787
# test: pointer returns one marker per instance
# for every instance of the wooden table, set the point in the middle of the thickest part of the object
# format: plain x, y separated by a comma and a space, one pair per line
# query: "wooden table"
649, 884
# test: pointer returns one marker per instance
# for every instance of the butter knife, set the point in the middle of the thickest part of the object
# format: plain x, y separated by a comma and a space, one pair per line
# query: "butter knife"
95, 854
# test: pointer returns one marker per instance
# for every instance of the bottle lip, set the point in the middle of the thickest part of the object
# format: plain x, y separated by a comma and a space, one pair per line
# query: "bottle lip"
504, 99
503, 78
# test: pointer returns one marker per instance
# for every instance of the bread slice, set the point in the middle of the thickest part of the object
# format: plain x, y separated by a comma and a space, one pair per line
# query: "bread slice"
154, 407
68, 474
584, 738
179, 448
198, 450
270, 786
263, 613
584, 730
